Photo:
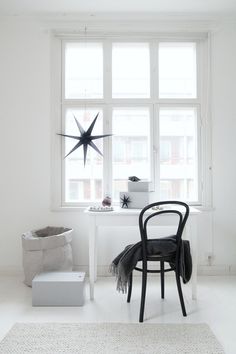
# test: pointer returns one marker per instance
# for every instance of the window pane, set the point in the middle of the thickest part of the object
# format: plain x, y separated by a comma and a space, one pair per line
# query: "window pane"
83, 70
130, 70
178, 154
131, 142
177, 70
83, 183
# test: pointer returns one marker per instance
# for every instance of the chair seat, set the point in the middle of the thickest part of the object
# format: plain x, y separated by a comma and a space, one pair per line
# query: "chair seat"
170, 257
155, 270
161, 257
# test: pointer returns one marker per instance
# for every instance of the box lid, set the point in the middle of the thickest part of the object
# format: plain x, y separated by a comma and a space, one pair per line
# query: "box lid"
59, 277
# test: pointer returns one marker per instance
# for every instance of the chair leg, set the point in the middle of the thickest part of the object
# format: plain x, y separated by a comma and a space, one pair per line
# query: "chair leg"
178, 282
130, 284
143, 294
162, 280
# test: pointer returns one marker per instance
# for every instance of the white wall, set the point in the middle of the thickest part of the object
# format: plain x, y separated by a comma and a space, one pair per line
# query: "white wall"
224, 143
25, 151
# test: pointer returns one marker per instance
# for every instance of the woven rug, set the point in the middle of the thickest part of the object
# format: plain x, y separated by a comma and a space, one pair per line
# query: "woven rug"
108, 338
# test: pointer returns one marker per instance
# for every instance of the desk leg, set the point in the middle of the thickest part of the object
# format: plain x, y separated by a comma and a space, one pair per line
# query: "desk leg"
192, 229
95, 255
92, 265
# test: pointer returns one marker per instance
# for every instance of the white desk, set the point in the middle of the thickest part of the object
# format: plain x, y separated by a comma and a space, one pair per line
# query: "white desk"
129, 217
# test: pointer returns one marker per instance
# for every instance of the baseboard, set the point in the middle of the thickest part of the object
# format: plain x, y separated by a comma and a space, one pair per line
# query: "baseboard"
103, 270
11, 271
216, 270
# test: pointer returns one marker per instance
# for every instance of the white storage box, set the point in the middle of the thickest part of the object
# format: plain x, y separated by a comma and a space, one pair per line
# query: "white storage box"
58, 289
138, 200
139, 186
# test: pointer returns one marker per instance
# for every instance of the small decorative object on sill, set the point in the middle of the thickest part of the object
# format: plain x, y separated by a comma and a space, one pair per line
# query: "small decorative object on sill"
134, 179
106, 201
125, 201
101, 208
157, 208
85, 138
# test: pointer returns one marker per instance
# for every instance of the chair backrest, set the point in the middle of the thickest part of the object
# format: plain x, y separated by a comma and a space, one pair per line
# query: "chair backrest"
148, 212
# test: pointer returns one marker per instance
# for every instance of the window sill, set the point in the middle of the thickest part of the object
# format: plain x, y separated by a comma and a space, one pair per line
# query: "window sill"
81, 208
69, 208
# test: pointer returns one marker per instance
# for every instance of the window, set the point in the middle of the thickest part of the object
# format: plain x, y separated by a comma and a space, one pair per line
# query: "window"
131, 129
130, 70
178, 132
150, 95
177, 70
88, 178
83, 70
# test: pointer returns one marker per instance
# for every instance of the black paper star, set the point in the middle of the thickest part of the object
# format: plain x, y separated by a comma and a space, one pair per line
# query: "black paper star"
125, 201
85, 138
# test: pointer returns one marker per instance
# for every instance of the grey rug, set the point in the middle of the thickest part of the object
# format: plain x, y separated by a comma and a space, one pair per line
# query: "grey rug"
108, 338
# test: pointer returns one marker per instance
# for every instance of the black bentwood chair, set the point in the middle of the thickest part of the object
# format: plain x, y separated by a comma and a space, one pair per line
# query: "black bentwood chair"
173, 257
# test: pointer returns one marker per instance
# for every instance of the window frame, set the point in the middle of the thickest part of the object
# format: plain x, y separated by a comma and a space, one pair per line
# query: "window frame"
107, 103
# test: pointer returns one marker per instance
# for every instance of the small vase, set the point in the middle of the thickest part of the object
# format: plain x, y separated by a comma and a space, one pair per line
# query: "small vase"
106, 201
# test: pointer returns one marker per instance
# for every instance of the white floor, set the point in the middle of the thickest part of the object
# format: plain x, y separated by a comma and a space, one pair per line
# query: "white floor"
216, 305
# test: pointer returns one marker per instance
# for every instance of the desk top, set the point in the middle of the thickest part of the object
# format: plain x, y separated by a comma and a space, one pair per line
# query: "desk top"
125, 211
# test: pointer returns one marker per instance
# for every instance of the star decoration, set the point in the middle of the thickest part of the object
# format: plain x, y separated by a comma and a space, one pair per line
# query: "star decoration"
85, 138
125, 201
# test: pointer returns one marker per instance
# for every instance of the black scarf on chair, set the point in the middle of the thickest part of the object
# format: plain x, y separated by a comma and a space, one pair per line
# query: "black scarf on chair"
127, 260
